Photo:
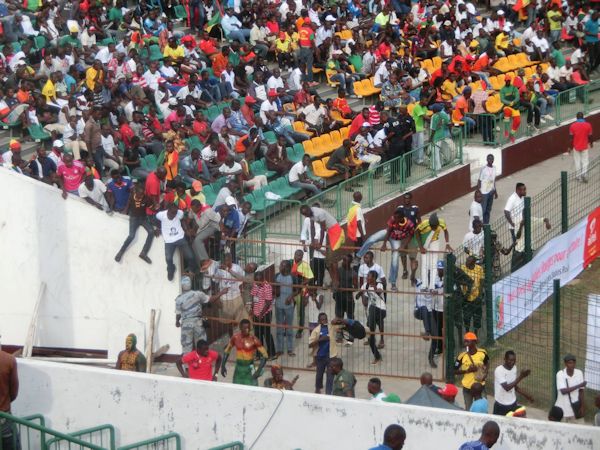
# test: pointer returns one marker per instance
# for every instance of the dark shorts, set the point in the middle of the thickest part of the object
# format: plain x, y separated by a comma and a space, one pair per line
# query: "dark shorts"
376, 317
340, 168
502, 410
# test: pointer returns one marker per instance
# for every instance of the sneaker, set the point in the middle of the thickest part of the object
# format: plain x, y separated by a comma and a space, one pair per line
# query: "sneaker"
348, 343
170, 275
145, 258
394, 288
542, 120
549, 117
376, 361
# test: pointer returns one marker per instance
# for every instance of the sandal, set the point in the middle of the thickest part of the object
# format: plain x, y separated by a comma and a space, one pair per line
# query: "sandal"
380, 345
405, 275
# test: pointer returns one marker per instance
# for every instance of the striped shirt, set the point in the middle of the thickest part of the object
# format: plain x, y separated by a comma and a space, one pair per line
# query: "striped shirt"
374, 117
261, 294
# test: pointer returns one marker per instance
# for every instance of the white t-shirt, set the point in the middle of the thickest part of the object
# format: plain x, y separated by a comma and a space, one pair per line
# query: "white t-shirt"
305, 235
515, 205
295, 172
230, 171
473, 242
576, 56
562, 400
374, 298
475, 210
229, 280
266, 106
96, 194
274, 83
312, 310
503, 375
378, 397
108, 144
172, 231
487, 177
363, 271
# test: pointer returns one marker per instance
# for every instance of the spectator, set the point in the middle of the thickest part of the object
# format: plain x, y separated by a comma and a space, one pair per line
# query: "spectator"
374, 388
136, 207
506, 385
556, 414
343, 381
570, 386
200, 362
131, 359
480, 404
284, 308
489, 436
486, 184
94, 192
393, 438
472, 364
9, 386
173, 230
581, 137
372, 297
298, 177
262, 312
323, 342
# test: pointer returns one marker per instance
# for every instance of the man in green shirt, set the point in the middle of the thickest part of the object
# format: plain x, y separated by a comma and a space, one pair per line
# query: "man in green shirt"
509, 95
440, 121
344, 381
555, 19
557, 55
419, 114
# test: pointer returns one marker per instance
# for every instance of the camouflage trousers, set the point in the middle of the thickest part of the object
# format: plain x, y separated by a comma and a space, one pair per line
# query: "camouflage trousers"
191, 331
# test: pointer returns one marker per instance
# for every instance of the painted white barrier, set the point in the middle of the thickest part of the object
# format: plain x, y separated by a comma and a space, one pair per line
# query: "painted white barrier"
91, 302
208, 414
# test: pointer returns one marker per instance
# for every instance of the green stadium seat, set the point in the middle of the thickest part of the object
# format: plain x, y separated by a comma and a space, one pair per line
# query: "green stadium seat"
270, 137
40, 42
212, 112
37, 133
155, 53
150, 162
180, 12
209, 194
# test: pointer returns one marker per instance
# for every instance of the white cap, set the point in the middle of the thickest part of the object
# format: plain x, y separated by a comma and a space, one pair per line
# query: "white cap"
173, 101
500, 12
230, 201
447, 23
58, 143
366, 125
330, 18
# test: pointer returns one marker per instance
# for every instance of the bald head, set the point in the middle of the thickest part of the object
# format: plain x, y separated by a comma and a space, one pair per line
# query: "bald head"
490, 433
426, 379
394, 437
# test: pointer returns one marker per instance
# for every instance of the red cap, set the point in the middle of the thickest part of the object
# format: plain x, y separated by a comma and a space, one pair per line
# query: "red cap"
272, 92
507, 78
249, 99
448, 391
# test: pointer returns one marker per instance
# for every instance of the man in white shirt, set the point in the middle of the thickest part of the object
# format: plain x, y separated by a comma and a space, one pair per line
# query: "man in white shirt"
513, 210
268, 108
374, 388
230, 277
105, 54
569, 387
486, 184
230, 169
382, 74
314, 113
506, 386
299, 178
541, 45
473, 240
233, 27
173, 232
94, 192
152, 75
275, 81
475, 210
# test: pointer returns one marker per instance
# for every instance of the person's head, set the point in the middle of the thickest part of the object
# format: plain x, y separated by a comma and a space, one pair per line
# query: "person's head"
202, 347
347, 261
336, 365
89, 182
434, 222
161, 173
510, 359
470, 340
478, 196
172, 211
306, 160
322, 318
477, 226
285, 267
130, 342
298, 255
394, 437
426, 379
407, 199
306, 211
245, 327
490, 433
276, 372
399, 215
448, 392
471, 261
372, 277
556, 414
368, 258
490, 160
374, 386
521, 189
357, 196
476, 390
569, 361
580, 116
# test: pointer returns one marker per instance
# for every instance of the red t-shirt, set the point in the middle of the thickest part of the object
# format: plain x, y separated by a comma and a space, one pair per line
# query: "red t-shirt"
152, 190
72, 176
126, 134
581, 132
200, 367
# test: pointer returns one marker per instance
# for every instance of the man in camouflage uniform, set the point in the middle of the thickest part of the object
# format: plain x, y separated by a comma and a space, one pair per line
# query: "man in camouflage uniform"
188, 310
344, 381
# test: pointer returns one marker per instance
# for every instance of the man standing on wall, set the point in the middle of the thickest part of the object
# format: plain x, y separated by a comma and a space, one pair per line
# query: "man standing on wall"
200, 363
131, 358
246, 346
9, 389
581, 137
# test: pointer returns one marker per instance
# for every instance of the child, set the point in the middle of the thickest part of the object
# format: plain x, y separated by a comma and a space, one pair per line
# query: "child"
313, 303
372, 296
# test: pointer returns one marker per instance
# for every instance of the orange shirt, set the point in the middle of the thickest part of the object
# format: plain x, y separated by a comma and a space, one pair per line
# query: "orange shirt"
341, 104
219, 64
462, 107
481, 63
172, 164
305, 37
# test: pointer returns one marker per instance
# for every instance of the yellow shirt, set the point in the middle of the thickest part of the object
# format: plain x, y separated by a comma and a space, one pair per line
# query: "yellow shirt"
463, 362
283, 46
424, 228
501, 41
173, 53
90, 77
49, 91
475, 274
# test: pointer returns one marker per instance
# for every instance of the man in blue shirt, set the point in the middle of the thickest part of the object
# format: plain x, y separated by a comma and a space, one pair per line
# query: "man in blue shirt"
119, 189
489, 436
480, 404
591, 28
393, 438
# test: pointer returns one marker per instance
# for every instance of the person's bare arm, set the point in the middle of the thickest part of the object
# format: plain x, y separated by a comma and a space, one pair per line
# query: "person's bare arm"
13, 387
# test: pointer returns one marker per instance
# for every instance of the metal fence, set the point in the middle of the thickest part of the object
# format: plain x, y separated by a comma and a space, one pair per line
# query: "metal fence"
401, 339
494, 130
170, 441
102, 436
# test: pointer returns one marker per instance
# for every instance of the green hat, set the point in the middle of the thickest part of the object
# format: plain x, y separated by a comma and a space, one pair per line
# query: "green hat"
392, 398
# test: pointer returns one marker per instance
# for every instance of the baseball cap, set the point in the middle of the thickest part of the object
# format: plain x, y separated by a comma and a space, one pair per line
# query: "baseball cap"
440, 264
14, 145
230, 201
197, 185
500, 12
569, 357
447, 23
249, 99
58, 143
366, 125
448, 391
330, 18
470, 336
272, 92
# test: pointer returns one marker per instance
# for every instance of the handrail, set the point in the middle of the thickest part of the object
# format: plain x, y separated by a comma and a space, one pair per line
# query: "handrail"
81, 433
156, 440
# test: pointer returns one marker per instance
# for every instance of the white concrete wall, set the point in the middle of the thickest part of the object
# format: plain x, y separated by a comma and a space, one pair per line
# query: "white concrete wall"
91, 301
208, 414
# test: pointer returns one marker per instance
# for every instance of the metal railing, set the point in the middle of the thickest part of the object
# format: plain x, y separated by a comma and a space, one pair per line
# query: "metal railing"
102, 435
170, 441
231, 446
494, 130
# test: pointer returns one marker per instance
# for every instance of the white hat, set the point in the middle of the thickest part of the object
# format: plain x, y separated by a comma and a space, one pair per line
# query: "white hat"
173, 101
230, 201
366, 125
58, 143
500, 12
447, 23
330, 18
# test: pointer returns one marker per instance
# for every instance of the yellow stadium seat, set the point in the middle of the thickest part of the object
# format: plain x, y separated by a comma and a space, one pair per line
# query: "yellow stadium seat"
456, 119
358, 90
289, 107
437, 62
427, 65
523, 60
545, 67
503, 65
327, 143
329, 74
493, 104
345, 132
299, 126
336, 139
497, 82
513, 61
346, 35
320, 170
371, 84
335, 115
308, 147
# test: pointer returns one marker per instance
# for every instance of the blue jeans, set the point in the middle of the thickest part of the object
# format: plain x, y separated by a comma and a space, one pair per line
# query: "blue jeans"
306, 186
395, 244
186, 251
486, 205
375, 237
426, 317
239, 35
418, 141
346, 83
323, 369
469, 123
284, 316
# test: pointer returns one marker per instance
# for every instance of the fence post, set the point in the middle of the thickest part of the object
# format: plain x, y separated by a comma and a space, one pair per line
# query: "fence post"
370, 196
488, 254
449, 315
555, 334
564, 201
527, 229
